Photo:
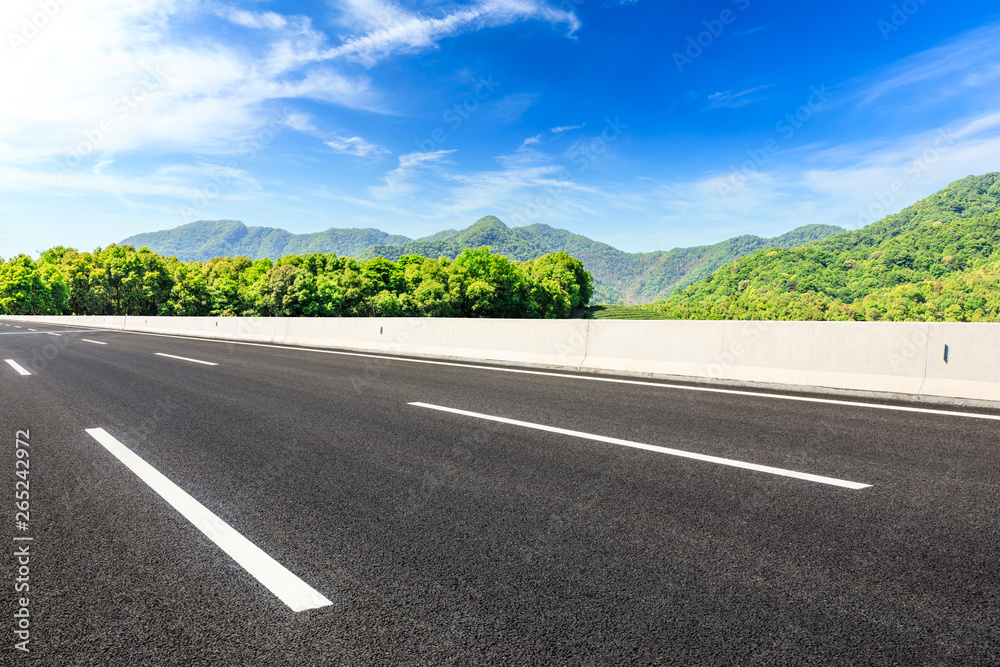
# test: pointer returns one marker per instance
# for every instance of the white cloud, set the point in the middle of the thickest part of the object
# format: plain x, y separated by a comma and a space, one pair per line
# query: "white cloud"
355, 146
511, 107
113, 77
371, 14
99, 167
750, 31
960, 67
977, 125
731, 100
254, 20
393, 30
566, 128
340, 143
302, 122
398, 181
160, 183
522, 157
84, 78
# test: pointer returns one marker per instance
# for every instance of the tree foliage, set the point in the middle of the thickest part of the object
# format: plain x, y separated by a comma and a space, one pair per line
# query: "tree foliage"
120, 280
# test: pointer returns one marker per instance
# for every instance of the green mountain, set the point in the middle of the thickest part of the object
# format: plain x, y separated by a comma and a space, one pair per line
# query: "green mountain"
938, 259
619, 276
206, 239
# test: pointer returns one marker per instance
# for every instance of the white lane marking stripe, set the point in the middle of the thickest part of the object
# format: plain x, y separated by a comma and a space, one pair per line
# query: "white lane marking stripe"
197, 361
589, 378
30, 329
654, 448
291, 590
95, 342
17, 367
51, 333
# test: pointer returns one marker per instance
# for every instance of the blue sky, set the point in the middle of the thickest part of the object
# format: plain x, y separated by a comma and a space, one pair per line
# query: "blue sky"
644, 124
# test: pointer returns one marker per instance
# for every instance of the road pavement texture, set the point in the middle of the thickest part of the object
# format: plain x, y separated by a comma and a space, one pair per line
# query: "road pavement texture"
300, 507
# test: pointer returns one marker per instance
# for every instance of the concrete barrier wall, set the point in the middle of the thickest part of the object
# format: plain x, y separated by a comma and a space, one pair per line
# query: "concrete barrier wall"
865, 356
655, 347
973, 365
862, 356
899, 358
533, 342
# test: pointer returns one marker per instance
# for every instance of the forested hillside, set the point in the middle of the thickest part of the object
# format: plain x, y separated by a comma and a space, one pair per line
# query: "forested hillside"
936, 260
619, 276
120, 280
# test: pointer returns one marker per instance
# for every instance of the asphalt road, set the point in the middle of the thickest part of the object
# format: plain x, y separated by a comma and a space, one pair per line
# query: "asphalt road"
445, 538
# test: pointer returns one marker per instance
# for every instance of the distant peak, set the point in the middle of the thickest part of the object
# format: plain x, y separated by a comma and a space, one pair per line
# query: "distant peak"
489, 221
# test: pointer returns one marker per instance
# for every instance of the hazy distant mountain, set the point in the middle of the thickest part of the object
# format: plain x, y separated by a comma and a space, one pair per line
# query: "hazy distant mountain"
620, 276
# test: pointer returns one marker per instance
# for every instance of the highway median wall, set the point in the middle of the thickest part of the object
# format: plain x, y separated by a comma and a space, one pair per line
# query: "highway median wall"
940, 362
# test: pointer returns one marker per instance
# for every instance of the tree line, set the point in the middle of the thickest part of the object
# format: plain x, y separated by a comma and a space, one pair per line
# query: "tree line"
121, 280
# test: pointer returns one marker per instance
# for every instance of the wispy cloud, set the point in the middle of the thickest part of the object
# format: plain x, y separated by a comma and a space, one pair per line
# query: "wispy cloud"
516, 193
399, 181
355, 146
967, 64
978, 125
511, 107
537, 139
522, 157
730, 100
566, 128
750, 31
248, 19
394, 30
173, 181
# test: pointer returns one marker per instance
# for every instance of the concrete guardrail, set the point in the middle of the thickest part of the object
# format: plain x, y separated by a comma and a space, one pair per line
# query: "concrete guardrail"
905, 359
